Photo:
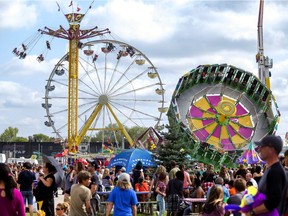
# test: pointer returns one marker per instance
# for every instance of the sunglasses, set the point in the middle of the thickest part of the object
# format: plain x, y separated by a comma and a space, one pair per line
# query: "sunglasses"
58, 209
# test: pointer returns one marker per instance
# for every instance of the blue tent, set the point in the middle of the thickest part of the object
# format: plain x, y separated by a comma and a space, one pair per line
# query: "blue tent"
129, 158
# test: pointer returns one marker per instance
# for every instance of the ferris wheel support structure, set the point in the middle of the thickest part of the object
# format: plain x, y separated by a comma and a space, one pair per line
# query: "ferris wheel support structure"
74, 35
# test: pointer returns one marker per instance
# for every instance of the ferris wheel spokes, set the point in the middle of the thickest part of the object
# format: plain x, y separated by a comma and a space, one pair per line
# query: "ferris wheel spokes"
104, 83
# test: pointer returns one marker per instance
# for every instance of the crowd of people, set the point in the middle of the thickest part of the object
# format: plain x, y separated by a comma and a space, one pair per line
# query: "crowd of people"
168, 186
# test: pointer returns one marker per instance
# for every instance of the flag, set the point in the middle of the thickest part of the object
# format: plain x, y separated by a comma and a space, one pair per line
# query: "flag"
78, 8
71, 3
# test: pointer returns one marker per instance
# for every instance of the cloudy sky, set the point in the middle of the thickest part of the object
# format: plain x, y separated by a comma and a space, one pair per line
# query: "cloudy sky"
175, 35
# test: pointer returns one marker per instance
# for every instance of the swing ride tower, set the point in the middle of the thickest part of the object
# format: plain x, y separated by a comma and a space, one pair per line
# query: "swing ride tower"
74, 34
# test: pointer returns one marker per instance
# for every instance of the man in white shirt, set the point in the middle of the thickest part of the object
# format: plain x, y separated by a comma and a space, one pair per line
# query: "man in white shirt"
250, 179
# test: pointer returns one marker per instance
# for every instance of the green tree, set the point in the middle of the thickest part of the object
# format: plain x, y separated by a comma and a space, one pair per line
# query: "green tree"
41, 138
21, 139
116, 135
175, 146
136, 131
9, 135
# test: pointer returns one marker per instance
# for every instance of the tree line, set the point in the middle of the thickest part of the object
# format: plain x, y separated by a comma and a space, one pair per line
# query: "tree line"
10, 134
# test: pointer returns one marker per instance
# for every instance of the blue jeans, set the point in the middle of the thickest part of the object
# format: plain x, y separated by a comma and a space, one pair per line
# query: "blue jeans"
161, 203
27, 195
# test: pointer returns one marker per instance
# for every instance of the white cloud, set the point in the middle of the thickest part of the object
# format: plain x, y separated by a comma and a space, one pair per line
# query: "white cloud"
143, 20
16, 95
26, 67
17, 14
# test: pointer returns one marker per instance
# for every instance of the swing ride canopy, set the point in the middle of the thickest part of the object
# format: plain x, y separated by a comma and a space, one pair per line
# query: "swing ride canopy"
250, 156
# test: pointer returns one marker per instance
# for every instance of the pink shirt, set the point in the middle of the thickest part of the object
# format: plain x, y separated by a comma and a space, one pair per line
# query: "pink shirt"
186, 181
14, 207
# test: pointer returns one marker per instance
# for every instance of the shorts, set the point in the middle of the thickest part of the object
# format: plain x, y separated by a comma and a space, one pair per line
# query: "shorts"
173, 203
27, 195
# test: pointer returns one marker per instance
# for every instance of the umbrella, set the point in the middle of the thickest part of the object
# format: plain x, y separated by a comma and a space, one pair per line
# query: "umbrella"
59, 175
130, 157
221, 121
250, 156
83, 161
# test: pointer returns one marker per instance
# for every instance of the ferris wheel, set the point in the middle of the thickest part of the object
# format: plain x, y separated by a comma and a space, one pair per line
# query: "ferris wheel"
117, 85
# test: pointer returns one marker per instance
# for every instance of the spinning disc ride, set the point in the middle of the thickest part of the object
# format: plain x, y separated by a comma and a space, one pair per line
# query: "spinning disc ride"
223, 108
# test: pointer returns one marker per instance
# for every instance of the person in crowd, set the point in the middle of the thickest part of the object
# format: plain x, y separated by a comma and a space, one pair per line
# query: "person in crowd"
272, 183
250, 179
214, 204
39, 172
25, 180
11, 200
201, 168
240, 186
68, 182
208, 178
137, 173
118, 173
241, 171
62, 209
107, 180
224, 173
174, 192
81, 196
155, 178
161, 192
173, 170
232, 190
142, 186
95, 181
219, 181
46, 188
123, 198
186, 182
257, 174
285, 164
78, 167
147, 178
197, 193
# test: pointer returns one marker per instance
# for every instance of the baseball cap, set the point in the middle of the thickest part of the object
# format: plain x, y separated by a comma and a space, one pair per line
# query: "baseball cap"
123, 169
124, 177
271, 141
